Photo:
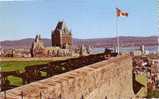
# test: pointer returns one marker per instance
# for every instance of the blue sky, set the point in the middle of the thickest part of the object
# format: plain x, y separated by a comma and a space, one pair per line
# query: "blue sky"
85, 18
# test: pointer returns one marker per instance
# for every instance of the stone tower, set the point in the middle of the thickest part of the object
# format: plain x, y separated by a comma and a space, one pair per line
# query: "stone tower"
37, 48
61, 36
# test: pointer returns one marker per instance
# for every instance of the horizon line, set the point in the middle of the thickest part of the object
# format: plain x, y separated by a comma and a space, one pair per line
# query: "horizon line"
79, 38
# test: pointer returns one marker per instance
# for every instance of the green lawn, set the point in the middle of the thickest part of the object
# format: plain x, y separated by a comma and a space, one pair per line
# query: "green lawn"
153, 94
18, 66
15, 80
143, 80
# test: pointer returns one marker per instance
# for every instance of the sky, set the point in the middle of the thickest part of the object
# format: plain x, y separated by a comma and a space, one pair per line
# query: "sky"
85, 18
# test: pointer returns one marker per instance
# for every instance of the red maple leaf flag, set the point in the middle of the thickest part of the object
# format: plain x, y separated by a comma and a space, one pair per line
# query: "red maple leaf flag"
121, 13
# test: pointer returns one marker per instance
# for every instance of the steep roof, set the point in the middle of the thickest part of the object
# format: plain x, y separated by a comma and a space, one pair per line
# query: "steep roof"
63, 27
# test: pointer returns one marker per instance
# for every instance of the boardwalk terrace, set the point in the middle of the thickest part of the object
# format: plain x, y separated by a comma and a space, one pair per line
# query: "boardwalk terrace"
108, 79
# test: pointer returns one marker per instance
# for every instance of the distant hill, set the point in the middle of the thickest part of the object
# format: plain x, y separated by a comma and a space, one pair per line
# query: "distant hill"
97, 42
23, 43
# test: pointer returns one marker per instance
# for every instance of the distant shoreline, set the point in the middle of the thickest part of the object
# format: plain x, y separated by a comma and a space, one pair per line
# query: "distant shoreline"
125, 41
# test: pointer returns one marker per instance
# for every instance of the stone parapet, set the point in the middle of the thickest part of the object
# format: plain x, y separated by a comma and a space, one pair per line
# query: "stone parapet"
109, 79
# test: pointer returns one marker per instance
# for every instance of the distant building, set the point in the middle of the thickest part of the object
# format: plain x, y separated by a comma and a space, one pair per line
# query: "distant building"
61, 36
61, 43
136, 53
82, 51
37, 48
18, 52
142, 49
21, 53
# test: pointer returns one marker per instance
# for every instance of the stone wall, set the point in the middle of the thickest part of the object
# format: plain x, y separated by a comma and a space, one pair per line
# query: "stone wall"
109, 79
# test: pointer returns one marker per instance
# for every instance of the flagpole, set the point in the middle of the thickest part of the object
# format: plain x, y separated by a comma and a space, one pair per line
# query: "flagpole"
116, 30
117, 35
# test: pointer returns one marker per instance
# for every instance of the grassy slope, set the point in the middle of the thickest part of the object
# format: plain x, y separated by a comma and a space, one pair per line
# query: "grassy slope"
12, 64
17, 66
143, 80
153, 94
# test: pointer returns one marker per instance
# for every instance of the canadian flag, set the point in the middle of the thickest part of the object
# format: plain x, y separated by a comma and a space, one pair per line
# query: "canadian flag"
121, 13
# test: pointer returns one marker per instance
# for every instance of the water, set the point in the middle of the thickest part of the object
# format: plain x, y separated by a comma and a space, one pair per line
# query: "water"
97, 50
151, 49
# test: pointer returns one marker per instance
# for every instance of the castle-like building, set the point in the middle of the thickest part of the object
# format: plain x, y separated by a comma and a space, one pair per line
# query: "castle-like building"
61, 36
61, 39
37, 48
